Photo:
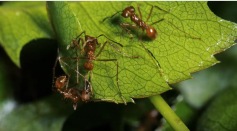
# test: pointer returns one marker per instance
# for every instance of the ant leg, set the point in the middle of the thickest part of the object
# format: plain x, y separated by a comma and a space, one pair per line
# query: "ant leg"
67, 82
138, 7
86, 85
109, 39
91, 82
81, 34
175, 27
152, 10
76, 44
157, 65
85, 80
123, 25
117, 76
111, 16
61, 59
55, 64
115, 49
76, 38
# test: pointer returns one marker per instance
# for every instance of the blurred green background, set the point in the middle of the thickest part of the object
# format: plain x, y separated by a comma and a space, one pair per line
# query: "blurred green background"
27, 101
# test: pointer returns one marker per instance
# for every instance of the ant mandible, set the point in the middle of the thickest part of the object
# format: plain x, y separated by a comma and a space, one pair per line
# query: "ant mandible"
88, 50
150, 31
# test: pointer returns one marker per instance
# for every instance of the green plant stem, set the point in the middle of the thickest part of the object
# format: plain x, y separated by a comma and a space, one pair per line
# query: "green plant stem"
168, 113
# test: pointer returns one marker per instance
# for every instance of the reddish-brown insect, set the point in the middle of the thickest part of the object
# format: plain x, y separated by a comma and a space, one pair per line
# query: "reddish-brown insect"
88, 50
72, 93
150, 31
75, 94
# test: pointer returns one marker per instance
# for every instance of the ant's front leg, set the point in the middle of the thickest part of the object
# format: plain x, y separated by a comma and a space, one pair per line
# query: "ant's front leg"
124, 26
157, 8
76, 44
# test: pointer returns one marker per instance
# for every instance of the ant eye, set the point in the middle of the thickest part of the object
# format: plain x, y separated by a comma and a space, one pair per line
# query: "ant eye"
125, 14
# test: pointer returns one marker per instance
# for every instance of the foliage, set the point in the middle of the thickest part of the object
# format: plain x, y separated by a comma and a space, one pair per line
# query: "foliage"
24, 24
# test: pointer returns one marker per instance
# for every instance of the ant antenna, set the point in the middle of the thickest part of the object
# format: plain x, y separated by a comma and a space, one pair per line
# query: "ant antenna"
109, 39
81, 34
111, 16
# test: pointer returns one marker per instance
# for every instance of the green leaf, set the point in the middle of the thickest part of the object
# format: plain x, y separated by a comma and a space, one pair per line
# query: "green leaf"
21, 22
177, 53
221, 113
136, 78
209, 82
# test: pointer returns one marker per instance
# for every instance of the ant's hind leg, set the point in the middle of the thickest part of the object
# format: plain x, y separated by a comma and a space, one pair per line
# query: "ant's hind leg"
116, 78
157, 65
175, 27
67, 82
55, 64
91, 77
115, 49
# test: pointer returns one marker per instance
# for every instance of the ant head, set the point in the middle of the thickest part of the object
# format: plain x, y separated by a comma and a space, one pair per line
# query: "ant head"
89, 38
85, 95
151, 32
128, 11
88, 65
61, 82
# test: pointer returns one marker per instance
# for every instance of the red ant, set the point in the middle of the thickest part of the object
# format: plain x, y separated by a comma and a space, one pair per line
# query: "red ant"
151, 32
74, 93
70, 93
89, 48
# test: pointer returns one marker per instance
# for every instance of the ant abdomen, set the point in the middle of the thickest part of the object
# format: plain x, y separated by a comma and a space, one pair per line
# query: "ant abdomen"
151, 32
88, 65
